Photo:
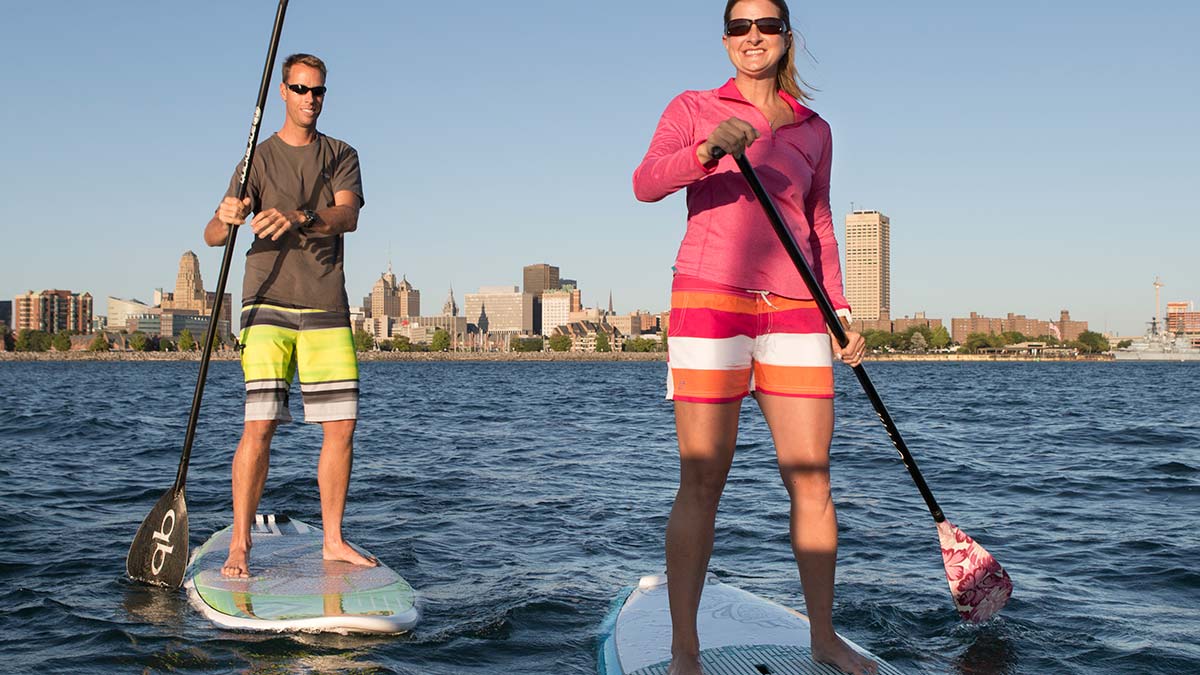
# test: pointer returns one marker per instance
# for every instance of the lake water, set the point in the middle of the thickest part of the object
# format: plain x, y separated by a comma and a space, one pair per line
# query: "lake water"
519, 498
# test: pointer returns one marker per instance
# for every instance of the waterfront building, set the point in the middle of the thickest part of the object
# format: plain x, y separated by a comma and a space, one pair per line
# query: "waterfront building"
583, 335
391, 298
500, 309
576, 295
917, 320
6, 312
420, 329
190, 299
868, 273
1064, 329
52, 311
586, 314
120, 309
149, 323
896, 325
1182, 318
556, 309
630, 324
540, 278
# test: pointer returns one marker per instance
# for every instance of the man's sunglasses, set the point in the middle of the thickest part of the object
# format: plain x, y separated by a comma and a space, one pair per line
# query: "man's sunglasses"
767, 26
303, 89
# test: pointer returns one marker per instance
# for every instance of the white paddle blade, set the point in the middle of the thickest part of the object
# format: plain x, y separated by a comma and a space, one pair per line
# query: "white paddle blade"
979, 584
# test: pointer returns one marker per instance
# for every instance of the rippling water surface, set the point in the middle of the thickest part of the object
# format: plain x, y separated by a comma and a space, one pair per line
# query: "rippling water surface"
520, 497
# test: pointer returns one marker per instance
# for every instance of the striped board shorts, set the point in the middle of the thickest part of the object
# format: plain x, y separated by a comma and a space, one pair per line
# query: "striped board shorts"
279, 342
725, 342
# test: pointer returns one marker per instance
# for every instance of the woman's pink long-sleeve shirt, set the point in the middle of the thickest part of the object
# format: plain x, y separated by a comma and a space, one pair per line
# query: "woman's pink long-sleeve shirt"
729, 239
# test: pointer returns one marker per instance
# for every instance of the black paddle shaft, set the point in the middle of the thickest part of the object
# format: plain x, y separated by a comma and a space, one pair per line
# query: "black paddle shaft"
230, 238
835, 326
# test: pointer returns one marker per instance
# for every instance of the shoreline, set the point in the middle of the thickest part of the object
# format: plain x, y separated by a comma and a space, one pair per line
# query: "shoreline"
579, 357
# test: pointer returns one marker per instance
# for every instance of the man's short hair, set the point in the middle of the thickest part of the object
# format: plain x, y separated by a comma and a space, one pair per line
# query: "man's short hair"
303, 59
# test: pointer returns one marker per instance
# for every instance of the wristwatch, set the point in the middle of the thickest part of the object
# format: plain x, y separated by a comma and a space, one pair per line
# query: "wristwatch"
310, 217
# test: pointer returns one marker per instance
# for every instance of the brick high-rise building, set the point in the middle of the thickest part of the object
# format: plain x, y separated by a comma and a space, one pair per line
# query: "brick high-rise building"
1064, 329
52, 311
868, 269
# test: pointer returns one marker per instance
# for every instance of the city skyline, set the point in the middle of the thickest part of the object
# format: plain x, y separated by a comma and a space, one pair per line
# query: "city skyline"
1027, 166
387, 279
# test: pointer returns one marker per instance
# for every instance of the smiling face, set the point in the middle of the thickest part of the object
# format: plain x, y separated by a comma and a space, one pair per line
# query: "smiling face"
755, 53
303, 109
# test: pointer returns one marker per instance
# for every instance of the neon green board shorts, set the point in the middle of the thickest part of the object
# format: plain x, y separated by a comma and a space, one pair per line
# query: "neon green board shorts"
280, 342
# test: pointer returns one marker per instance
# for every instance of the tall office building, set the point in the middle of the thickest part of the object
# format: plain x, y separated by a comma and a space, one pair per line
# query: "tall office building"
395, 299
190, 299
500, 309
556, 309
868, 269
540, 277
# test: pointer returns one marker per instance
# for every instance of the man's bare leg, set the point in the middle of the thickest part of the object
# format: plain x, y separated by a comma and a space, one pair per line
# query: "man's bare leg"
802, 429
707, 437
333, 477
250, 464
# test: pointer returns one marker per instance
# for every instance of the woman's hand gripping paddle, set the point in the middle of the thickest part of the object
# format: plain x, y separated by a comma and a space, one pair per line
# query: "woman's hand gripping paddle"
979, 585
159, 552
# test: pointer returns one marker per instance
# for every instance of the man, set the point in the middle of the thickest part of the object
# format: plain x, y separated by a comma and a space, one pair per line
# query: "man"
305, 191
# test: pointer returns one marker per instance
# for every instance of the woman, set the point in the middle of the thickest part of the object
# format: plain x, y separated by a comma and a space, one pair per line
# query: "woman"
742, 320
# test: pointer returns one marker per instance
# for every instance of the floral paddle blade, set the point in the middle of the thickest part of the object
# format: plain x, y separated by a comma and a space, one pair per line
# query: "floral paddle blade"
979, 584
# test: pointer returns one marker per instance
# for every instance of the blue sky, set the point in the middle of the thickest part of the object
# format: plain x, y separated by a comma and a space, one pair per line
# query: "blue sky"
1032, 156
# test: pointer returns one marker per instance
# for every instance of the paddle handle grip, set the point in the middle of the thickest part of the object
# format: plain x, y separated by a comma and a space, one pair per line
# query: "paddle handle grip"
788, 239
227, 259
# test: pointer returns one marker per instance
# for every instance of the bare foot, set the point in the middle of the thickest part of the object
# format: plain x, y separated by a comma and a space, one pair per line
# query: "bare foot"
838, 654
237, 564
346, 553
681, 665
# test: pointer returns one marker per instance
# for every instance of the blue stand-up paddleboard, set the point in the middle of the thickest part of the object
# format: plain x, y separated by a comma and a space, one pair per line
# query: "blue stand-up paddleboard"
291, 588
740, 634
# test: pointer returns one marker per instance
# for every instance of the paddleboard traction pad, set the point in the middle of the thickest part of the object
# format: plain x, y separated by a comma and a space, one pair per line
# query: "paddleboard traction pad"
744, 633
760, 660
292, 588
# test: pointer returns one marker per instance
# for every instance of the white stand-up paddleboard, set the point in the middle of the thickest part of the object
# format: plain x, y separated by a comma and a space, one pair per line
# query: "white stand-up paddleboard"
291, 588
740, 634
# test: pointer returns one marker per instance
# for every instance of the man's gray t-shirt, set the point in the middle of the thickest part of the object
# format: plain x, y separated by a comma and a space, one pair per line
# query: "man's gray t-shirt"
298, 270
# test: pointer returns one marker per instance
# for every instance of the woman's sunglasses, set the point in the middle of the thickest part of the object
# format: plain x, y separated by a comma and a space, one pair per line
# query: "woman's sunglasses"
767, 26
320, 91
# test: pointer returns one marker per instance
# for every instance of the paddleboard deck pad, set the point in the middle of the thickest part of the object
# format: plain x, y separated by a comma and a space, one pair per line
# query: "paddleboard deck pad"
740, 634
292, 588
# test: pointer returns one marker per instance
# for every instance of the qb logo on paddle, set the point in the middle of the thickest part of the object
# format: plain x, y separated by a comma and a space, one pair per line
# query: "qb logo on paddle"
163, 537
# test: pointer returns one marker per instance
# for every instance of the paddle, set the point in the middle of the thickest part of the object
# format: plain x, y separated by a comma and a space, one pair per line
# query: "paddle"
159, 552
978, 583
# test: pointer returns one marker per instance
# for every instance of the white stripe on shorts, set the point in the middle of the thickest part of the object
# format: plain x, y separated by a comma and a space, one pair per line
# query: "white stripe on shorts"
794, 349
695, 353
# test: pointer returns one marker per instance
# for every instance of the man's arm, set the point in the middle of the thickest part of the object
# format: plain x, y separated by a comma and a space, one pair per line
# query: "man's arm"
337, 219
229, 212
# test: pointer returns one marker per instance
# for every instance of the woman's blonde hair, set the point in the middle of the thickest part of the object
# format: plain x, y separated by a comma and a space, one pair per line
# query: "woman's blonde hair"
786, 76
